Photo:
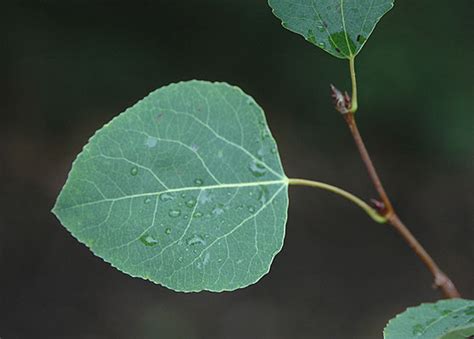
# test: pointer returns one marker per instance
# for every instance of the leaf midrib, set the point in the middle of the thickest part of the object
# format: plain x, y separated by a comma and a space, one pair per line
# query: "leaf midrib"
283, 181
345, 30
322, 23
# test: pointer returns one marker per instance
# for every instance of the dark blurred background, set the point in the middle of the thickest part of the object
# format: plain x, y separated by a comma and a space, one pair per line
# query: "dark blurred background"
70, 66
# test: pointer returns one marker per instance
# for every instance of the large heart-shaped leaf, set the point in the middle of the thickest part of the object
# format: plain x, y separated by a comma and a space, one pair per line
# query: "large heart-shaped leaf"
185, 189
340, 27
446, 319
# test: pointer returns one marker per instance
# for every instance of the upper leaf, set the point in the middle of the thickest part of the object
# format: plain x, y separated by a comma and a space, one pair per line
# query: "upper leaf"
446, 319
340, 27
185, 189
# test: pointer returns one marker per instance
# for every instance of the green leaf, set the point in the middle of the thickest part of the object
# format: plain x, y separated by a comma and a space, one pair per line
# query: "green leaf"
446, 319
185, 189
340, 27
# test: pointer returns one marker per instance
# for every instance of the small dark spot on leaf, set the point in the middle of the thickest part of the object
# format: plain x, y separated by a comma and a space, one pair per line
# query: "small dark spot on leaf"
361, 39
342, 43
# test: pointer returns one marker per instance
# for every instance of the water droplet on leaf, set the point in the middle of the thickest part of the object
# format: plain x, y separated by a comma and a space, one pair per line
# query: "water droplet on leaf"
134, 171
148, 240
204, 197
191, 202
196, 240
206, 259
151, 141
257, 169
218, 210
166, 197
174, 213
418, 329
310, 36
263, 194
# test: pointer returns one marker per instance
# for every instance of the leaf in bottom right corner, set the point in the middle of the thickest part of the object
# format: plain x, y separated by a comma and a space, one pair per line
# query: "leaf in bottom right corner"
445, 319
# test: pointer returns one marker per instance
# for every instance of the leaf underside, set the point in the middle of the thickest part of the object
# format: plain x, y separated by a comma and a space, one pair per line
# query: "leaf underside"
446, 319
185, 189
340, 27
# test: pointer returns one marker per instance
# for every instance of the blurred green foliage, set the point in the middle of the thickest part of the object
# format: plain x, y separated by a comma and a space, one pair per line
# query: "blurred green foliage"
415, 74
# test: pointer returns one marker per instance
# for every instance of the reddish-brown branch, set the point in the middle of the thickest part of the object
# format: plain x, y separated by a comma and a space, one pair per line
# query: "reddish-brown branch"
441, 280
351, 123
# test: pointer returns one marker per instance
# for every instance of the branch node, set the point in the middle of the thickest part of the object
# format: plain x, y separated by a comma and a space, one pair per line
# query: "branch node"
378, 205
382, 208
342, 101
444, 283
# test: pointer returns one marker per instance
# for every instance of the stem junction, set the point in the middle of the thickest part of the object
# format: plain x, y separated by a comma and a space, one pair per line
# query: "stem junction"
347, 107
